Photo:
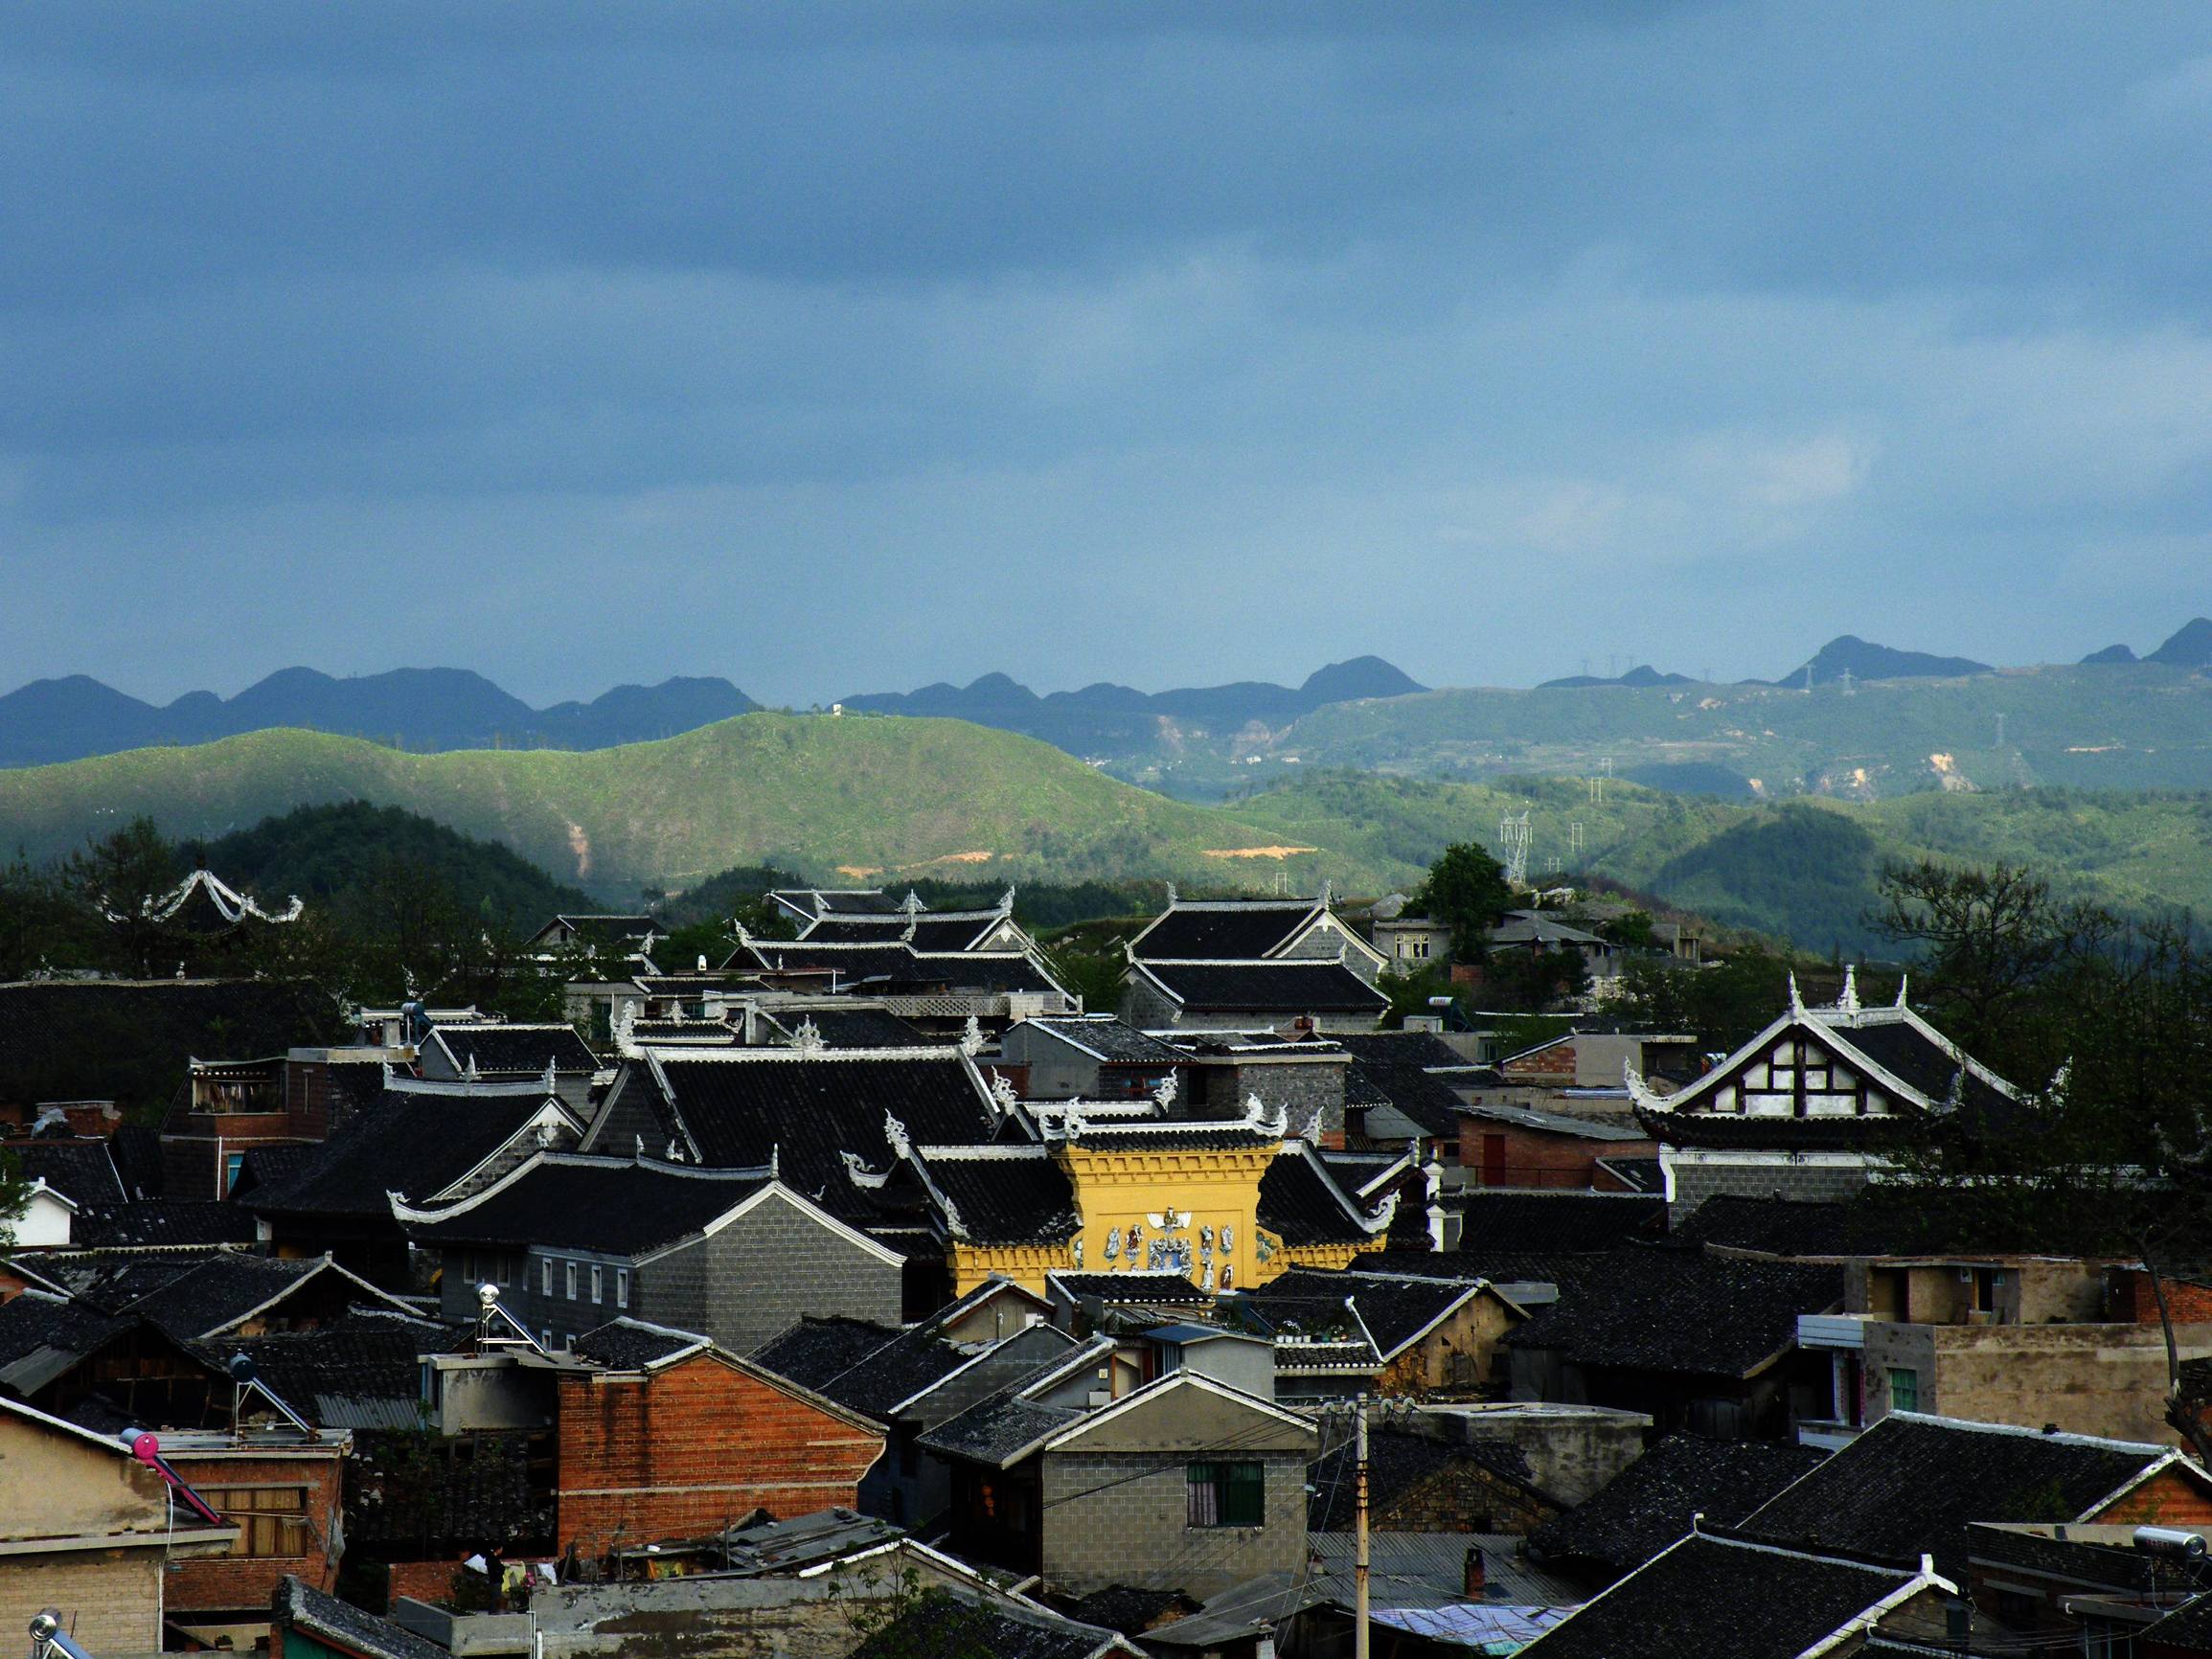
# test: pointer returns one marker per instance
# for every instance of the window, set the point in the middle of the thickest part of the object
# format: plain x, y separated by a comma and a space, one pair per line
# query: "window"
545, 1277
233, 1162
568, 1279
1903, 1389
595, 1284
272, 1521
621, 1288
1227, 1494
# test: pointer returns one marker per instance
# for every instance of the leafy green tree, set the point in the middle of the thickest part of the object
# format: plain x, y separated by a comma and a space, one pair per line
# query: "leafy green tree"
120, 879
1467, 891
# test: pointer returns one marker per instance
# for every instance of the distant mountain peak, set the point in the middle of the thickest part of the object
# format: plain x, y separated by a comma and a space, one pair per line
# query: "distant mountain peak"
2189, 647
2110, 654
1643, 675
1357, 678
1865, 660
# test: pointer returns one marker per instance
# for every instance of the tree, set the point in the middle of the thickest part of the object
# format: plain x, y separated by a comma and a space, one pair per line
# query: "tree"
121, 878
1467, 891
1986, 937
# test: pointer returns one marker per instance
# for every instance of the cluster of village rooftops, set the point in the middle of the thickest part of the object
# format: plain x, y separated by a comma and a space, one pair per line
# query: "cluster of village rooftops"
765, 1290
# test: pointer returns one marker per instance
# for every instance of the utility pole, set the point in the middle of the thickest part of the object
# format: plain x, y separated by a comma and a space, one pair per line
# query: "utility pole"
1359, 1552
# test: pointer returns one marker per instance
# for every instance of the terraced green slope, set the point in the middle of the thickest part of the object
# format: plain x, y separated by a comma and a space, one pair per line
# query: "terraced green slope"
1803, 869
902, 797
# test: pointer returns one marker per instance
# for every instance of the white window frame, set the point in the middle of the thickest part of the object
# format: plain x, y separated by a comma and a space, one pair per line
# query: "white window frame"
545, 1279
568, 1279
621, 1288
596, 1284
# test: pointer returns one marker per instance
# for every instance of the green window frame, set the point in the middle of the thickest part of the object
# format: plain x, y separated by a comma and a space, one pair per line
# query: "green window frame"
1224, 1493
1904, 1388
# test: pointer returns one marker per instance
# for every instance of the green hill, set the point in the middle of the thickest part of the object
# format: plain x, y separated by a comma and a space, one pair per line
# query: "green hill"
2138, 726
322, 853
856, 798
1802, 869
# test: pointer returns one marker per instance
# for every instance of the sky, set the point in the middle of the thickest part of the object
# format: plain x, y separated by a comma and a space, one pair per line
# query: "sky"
839, 347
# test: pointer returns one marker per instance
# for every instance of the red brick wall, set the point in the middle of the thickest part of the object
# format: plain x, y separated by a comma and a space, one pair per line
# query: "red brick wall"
1551, 1064
2134, 1299
692, 1448
2171, 1499
424, 1581
249, 1581
1538, 1160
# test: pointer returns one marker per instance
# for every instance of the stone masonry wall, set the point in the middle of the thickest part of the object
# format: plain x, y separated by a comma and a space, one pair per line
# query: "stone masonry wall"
1102, 1527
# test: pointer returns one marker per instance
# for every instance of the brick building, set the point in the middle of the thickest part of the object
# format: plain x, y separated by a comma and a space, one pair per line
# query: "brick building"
663, 1435
1506, 1145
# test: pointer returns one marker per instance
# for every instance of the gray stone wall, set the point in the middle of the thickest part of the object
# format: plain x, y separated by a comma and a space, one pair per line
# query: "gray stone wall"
761, 1274
1143, 1006
1821, 1183
1102, 1527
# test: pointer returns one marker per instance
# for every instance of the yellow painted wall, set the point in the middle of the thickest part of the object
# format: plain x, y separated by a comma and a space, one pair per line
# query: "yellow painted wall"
1118, 1188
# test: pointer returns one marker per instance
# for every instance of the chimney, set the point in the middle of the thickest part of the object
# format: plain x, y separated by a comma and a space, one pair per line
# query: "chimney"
1475, 1574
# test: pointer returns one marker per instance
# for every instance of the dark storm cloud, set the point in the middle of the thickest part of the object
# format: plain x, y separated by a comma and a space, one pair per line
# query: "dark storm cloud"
692, 320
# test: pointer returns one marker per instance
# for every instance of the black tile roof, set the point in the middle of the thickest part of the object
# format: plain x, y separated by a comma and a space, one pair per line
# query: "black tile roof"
269, 1166
1562, 1268
340, 1625
626, 1344
604, 930
1394, 1310
889, 968
217, 1292
1910, 1484
1245, 987
835, 901
1422, 1096
865, 1368
1494, 1219
1171, 1289
997, 1428
1796, 1227
1398, 1462
1224, 930
1302, 1203
1725, 1131
81, 1170
1718, 1598
857, 929
1003, 1195
451, 1496
415, 1142
2187, 1629
1640, 1174
1678, 1310
40, 1337
520, 1050
809, 1110
1112, 1040
361, 1371
1648, 1505
1914, 1059
612, 1205
950, 1627
165, 1221
1130, 1609
1405, 1048
860, 1027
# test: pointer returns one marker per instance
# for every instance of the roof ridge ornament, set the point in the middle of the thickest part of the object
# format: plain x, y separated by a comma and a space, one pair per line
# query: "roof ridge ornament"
1328, 892
1796, 1001
894, 1132
1006, 901
1171, 896
1903, 980
911, 905
1641, 1093
1165, 1091
1002, 1093
806, 1037
1848, 1001
972, 1037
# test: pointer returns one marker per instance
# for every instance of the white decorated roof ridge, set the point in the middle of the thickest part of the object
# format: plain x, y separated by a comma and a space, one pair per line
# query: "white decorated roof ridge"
231, 905
431, 1214
1835, 1022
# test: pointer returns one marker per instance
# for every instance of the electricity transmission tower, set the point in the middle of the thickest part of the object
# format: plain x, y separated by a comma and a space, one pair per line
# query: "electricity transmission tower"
1513, 834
